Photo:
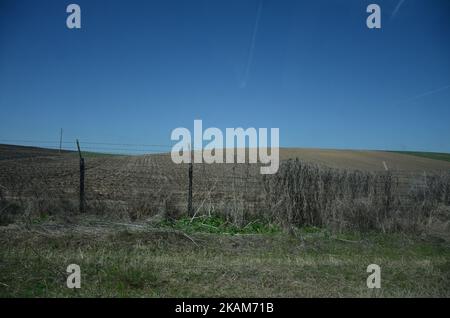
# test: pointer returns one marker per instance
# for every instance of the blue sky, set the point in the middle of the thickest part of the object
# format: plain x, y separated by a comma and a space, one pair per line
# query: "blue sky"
136, 70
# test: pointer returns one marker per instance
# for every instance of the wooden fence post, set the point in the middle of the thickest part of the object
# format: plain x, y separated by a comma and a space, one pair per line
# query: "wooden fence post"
190, 188
82, 200
191, 168
60, 139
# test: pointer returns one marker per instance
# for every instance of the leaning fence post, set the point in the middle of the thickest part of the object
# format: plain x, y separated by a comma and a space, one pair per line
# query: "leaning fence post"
82, 201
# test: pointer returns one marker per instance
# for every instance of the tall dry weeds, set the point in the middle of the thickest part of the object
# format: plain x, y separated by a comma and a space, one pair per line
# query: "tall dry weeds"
307, 195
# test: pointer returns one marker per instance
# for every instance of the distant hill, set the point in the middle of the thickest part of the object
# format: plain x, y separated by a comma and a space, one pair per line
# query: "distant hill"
343, 159
431, 155
18, 152
367, 160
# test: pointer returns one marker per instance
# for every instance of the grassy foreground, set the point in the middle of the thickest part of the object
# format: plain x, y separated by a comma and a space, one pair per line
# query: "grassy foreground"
138, 260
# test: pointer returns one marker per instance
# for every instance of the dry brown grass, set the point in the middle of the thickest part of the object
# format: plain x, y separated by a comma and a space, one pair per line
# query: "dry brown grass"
307, 195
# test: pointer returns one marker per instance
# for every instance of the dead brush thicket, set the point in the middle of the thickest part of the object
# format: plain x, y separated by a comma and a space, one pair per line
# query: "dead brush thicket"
161, 202
306, 195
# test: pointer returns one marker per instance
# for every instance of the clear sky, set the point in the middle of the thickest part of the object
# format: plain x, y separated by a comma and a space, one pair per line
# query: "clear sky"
138, 69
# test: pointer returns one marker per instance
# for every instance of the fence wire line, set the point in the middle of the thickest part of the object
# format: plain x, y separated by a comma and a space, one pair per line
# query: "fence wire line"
173, 174
85, 142
90, 146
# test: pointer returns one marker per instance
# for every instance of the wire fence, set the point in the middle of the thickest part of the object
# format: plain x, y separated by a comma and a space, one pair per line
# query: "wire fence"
152, 183
87, 146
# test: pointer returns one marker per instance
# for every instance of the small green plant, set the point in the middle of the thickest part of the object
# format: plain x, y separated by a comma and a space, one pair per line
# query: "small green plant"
219, 225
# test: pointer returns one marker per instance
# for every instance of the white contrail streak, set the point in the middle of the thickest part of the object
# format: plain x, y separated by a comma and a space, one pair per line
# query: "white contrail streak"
252, 47
399, 4
425, 94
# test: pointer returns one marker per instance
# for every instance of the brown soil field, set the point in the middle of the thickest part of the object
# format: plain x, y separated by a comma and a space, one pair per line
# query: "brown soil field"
149, 183
365, 160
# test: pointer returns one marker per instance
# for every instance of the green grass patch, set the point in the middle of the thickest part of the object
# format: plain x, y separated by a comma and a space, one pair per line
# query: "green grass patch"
218, 225
430, 155
161, 262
